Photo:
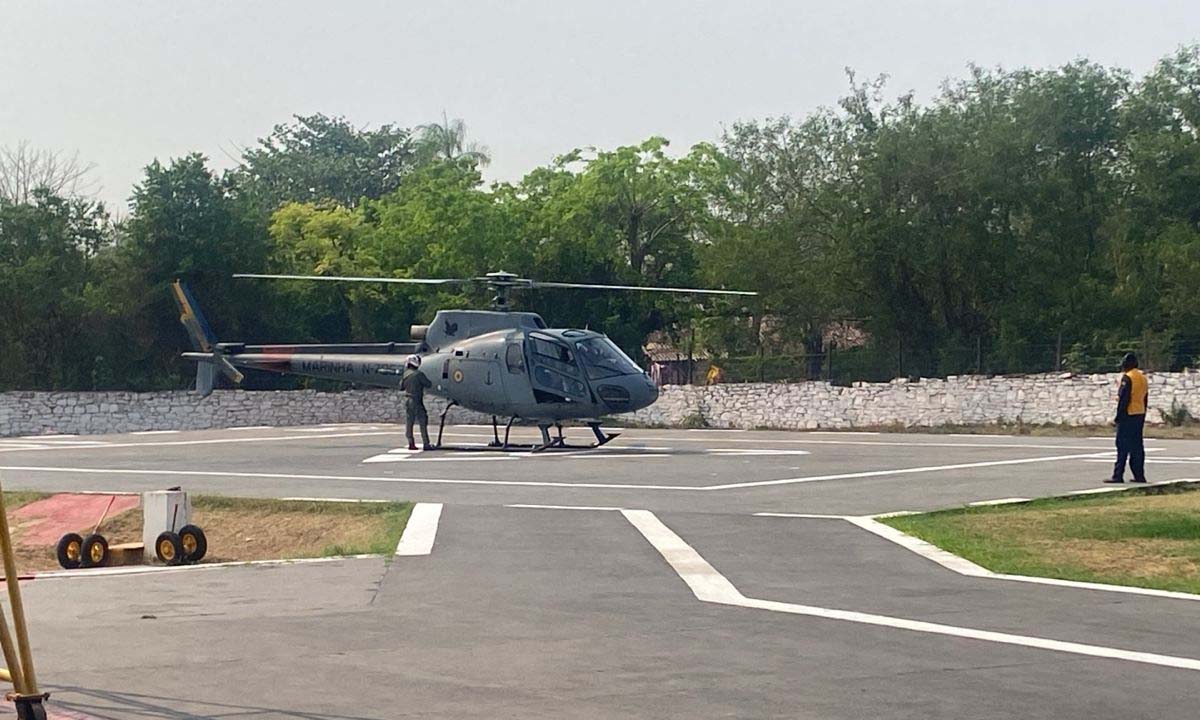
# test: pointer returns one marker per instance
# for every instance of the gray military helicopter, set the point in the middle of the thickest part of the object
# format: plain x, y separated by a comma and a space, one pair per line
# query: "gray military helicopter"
498, 362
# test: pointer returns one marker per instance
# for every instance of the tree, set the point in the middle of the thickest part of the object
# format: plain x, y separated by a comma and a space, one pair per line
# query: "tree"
24, 170
624, 216
773, 189
447, 141
184, 225
318, 158
47, 248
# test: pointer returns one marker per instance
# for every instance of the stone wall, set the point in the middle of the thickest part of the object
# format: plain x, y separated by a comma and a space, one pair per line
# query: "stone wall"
961, 400
42, 413
964, 400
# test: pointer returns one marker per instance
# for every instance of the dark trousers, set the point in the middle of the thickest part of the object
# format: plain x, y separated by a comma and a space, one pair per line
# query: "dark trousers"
414, 412
1130, 447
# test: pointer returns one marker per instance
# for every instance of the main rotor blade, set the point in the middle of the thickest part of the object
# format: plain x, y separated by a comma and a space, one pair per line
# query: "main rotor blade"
340, 278
585, 286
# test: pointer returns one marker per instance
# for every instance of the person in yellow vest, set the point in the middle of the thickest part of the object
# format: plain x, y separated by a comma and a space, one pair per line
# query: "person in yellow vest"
1133, 399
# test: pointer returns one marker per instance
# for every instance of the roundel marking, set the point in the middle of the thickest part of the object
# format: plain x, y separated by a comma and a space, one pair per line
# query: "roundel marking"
458, 375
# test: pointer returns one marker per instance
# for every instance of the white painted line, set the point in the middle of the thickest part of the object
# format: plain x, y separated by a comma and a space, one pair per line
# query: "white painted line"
1097, 491
898, 471
48, 437
1028, 641
147, 569
999, 501
710, 586
561, 507
390, 457
155, 432
1151, 460
421, 530
604, 456
804, 516
334, 500
706, 583
929, 552
753, 452
963, 566
531, 483
348, 478
81, 445
896, 513
630, 446
813, 441
1080, 585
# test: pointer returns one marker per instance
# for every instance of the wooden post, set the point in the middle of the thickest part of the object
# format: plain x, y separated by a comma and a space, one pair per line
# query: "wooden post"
22, 670
691, 353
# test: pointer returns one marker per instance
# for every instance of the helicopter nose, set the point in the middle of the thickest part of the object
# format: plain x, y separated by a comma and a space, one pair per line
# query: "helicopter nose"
628, 392
648, 393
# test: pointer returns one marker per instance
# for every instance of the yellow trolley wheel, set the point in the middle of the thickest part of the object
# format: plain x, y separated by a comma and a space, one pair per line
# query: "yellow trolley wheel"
169, 548
69, 550
195, 544
94, 551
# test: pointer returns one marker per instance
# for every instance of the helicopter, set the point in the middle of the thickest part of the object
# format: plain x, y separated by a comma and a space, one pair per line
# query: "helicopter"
499, 362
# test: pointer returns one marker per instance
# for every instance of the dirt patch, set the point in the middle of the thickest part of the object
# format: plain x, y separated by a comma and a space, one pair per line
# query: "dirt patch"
240, 529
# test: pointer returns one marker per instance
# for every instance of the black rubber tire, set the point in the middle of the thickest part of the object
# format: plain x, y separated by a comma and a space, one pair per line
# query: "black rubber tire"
168, 548
69, 550
195, 544
94, 552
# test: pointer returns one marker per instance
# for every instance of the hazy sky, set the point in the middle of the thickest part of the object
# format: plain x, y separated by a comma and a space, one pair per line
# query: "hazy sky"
126, 82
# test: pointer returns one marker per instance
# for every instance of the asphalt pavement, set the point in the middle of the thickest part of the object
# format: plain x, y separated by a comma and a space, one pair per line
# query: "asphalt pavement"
638, 580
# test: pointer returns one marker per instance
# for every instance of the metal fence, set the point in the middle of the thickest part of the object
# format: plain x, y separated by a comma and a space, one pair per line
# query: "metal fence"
885, 361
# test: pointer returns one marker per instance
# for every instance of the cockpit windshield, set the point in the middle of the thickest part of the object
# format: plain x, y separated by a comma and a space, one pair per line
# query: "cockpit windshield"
604, 359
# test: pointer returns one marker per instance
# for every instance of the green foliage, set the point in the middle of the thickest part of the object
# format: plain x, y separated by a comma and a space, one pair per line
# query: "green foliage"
318, 158
1021, 220
48, 251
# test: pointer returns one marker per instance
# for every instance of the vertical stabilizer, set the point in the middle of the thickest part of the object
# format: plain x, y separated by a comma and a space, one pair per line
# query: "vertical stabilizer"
198, 330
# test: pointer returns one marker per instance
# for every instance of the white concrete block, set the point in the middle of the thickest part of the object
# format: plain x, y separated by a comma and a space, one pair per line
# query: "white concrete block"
163, 510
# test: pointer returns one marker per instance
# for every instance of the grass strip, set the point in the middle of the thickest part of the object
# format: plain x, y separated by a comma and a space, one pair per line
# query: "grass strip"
1149, 537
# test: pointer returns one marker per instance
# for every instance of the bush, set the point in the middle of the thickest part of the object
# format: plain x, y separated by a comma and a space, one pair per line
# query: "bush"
1178, 415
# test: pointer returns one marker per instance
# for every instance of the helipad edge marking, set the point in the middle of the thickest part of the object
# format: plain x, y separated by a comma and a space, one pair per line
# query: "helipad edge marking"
962, 566
421, 530
901, 471
708, 585
999, 501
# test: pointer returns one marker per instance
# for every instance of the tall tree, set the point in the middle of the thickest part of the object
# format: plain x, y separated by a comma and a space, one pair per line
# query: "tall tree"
183, 225
447, 141
319, 158
24, 170
47, 247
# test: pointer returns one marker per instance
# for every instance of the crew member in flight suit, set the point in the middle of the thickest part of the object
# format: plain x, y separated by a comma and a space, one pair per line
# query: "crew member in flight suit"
1132, 401
413, 383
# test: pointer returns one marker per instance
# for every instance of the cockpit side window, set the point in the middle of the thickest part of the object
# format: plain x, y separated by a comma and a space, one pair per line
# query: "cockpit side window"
552, 350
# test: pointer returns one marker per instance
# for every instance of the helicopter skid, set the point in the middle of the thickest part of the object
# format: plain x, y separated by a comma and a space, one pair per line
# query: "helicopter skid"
548, 443
559, 443
554, 446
